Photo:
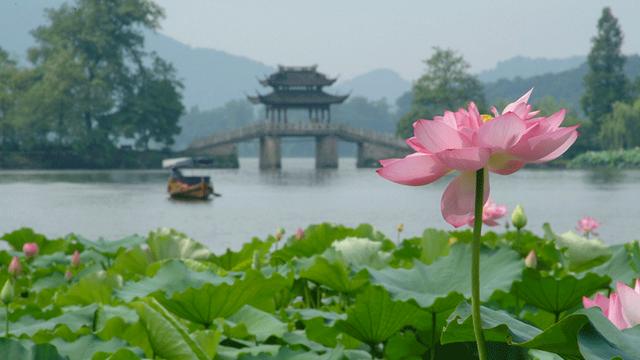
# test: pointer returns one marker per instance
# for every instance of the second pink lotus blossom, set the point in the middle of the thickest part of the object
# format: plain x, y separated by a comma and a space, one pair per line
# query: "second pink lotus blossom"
622, 307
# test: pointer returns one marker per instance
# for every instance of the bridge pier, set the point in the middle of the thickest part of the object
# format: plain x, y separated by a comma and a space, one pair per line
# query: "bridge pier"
326, 152
270, 154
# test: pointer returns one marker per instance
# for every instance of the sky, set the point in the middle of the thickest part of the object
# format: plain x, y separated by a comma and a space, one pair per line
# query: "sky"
349, 37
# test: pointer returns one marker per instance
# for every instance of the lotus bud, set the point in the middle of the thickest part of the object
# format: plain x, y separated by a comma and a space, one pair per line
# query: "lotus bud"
518, 218
531, 261
6, 295
30, 249
75, 259
15, 268
400, 228
299, 234
279, 234
68, 275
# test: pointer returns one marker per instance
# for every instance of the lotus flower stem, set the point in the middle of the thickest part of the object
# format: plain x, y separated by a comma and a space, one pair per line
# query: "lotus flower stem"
6, 329
475, 266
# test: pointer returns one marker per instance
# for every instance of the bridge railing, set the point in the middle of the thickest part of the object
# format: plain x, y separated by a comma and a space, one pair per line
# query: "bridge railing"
263, 128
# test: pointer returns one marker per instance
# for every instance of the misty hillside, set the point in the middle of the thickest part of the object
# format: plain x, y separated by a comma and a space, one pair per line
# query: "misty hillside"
376, 85
566, 86
521, 66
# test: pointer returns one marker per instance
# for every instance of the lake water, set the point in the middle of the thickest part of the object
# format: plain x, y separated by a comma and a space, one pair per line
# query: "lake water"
113, 204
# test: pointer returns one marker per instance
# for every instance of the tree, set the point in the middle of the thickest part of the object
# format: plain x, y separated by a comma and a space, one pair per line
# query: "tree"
447, 84
96, 73
605, 83
548, 105
621, 128
359, 112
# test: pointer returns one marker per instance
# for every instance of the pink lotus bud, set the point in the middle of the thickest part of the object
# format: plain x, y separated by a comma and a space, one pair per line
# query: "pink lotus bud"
15, 268
30, 249
75, 259
68, 275
587, 225
299, 234
531, 261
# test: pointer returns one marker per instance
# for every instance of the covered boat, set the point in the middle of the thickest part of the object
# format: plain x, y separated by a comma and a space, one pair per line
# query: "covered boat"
186, 187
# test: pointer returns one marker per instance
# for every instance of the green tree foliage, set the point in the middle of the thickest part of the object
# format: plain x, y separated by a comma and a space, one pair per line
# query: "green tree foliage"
92, 82
605, 83
359, 112
549, 105
447, 84
621, 127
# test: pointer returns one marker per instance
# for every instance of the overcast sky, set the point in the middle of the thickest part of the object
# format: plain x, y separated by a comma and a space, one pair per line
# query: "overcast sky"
349, 37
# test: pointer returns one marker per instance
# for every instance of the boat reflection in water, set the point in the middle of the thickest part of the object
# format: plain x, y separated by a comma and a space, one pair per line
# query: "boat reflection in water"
187, 187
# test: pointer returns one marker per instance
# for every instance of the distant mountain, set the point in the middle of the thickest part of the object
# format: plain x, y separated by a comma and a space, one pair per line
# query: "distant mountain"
566, 86
375, 85
527, 67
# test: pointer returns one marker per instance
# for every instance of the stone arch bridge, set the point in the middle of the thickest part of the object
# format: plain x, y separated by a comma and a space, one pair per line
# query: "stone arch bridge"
372, 145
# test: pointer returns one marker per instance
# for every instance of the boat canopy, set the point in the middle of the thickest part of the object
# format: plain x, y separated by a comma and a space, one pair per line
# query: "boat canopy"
177, 163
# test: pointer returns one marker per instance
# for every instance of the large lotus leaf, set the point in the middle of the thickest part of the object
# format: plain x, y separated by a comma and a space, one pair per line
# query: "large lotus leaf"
317, 238
168, 337
581, 253
331, 354
404, 345
173, 276
21, 236
121, 354
26, 350
132, 263
361, 252
618, 267
334, 275
557, 295
108, 247
94, 288
55, 280
208, 340
448, 278
568, 338
431, 245
211, 301
258, 323
375, 317
171, 244
73, 317
232, 353
87, 346
242, 259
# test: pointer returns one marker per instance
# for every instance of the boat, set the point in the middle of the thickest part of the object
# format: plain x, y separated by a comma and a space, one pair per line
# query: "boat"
185, 187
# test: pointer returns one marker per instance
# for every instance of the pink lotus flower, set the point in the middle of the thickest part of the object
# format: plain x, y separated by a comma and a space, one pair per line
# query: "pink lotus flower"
299, 234
587, 225
30, 249
466, 141
75, 259
15, 268
622, 308
490, 213
531, 261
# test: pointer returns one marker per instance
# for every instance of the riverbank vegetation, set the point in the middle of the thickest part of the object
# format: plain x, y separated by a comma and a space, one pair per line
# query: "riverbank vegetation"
328, 291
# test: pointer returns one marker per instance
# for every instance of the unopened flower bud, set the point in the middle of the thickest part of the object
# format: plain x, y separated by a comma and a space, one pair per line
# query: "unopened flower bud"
255, 260
30, 249
531, 261
400, 228
15, 268
75, 259
6, 295
279, 233
68, 275
299, 234
518, 218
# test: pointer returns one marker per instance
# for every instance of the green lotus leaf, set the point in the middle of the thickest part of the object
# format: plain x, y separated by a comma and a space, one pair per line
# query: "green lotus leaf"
618, 267
258, 323
208, 340
169, 339
87, 346
211, 301
94, 288
404, 345
27, 350
441, 285
173, 276
232, 353
108, 247
432, 245
21, 236
361, 252
121, 354
132, 263
581, 253
557, 295
583, 334
334, 275
171, 244
242, 259
375, 317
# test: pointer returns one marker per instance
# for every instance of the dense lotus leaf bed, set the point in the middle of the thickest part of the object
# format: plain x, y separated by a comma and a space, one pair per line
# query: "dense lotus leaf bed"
334, 293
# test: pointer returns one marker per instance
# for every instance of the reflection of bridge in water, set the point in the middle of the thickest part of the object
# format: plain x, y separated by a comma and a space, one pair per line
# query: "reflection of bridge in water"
372, 145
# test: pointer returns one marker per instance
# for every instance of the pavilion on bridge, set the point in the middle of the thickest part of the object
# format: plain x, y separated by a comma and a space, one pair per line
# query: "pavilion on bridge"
298, 87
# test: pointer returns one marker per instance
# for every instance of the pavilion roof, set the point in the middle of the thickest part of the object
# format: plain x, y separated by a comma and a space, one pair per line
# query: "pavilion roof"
297, 76
298, 98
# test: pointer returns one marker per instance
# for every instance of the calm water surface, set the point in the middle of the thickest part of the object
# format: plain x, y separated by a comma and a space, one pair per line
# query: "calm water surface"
113, 204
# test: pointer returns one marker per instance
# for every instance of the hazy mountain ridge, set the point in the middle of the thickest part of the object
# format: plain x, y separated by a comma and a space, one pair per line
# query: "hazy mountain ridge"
522, 66
376, 84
